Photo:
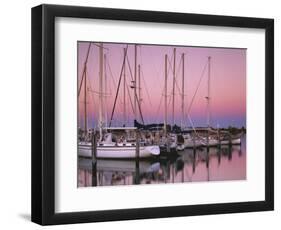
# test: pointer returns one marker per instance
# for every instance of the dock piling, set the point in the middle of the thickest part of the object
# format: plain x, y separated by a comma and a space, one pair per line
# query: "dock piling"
208, 157
219, 143
94, 173
137, 145
194, 154
94, 147
168, 145
137, 171
94, 159
229, 140
194, 146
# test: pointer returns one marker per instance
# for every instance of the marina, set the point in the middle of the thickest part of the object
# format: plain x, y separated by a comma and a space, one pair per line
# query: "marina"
120, 139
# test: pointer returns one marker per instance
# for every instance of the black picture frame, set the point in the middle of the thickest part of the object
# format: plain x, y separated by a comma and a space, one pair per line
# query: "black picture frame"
43, 114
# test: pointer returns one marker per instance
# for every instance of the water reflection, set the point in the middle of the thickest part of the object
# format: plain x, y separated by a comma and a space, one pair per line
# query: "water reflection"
205, 164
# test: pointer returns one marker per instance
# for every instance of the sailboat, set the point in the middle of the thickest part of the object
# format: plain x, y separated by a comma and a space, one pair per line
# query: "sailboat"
216, 139
168, 142
211, 137
233, 139
109, 146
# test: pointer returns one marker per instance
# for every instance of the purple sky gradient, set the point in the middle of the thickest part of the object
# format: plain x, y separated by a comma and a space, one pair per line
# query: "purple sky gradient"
228, 83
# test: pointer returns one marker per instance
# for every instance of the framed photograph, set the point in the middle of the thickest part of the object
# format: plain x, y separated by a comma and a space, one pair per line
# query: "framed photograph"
143, 114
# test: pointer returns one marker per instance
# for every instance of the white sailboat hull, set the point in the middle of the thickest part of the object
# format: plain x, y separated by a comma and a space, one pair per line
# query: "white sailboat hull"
85, 150
212, 142
189, 143
236, 141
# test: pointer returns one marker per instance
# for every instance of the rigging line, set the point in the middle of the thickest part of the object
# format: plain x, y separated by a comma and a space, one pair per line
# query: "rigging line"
111, 75
193, 97
179, 67
188, 112
161, 99
110, 71
92, 97
175, 81
93, 92
158, 109
120, 77
171, 68
193, 127
130, 99
84, 69
105, 94
176, 72
168, 72
113, 80
178, 88
153, 65
145, 86
135, 93
170, 98
177, 85
95, 44
130, 70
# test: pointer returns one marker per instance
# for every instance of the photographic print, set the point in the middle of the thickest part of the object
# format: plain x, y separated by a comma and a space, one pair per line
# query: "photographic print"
129, 106
153, 114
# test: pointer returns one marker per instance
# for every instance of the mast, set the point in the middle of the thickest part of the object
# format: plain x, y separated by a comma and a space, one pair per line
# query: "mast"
84, 77
124, 92
118, 87
174, 82
101, 88
139, 75
208, 97
208, 103
85, 102
84, 70
165, 95
105, 91
135, 83
182, 92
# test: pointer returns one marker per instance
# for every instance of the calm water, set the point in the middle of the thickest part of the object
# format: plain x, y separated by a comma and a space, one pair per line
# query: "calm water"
227, 163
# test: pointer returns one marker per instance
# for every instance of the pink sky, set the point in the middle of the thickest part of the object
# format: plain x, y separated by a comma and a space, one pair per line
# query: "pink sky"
228, 83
